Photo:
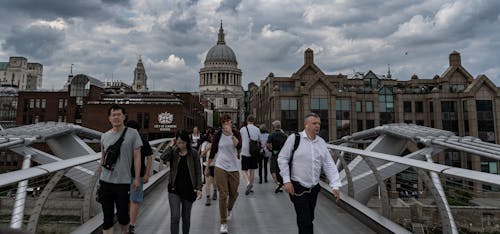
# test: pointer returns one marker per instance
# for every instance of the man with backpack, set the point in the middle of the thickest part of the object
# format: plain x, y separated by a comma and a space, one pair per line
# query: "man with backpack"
121, 148
300, 161
275, 142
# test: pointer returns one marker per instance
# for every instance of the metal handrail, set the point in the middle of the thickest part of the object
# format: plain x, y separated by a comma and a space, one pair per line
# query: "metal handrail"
487, 178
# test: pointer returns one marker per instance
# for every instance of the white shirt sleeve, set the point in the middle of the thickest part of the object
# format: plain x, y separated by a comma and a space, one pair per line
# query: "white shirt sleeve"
284, 157
330, 169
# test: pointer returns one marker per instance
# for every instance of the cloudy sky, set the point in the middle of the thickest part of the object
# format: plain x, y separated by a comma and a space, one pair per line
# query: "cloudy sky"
104, 38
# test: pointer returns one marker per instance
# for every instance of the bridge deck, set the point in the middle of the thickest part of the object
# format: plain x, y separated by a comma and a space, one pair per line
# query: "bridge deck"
260, 212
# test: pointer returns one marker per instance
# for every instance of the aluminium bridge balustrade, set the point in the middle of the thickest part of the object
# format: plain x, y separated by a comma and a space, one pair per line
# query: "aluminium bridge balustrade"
391, 149
383, 158
73, 159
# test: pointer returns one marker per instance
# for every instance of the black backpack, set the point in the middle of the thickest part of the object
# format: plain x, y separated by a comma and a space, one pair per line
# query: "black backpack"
277, 142
295, 146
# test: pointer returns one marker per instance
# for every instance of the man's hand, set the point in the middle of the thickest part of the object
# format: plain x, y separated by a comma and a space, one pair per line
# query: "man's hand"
288, 187
145, 179
136, 184
336, 193
198, 194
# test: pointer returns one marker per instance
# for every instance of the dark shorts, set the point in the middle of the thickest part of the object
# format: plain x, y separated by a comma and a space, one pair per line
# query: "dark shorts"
248, 163
273, 167
114, 194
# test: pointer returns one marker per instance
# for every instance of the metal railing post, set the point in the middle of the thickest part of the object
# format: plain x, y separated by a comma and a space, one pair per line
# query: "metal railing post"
18, 212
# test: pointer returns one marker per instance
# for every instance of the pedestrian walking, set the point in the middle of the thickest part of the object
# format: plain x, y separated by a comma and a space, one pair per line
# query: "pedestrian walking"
275, 142
184, 185
226, 145
265, 154
301, 170
250, 151
121, 148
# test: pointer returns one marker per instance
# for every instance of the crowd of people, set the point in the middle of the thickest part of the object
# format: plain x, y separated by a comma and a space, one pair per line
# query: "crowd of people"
213, 160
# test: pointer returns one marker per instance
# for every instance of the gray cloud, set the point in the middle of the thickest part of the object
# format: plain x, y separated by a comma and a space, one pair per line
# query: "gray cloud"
37, 41
53, 8
104, 38
117, 2
228, 5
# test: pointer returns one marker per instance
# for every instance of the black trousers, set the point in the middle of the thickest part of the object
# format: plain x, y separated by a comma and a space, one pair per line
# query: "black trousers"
114, 195
263, 165
304, 202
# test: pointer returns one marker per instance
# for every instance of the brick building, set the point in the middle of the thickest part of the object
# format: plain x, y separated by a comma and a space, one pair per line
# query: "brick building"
453, 101
86, 100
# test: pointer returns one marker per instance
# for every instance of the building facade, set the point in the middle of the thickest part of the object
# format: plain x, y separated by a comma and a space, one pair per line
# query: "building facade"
87, 99
24, 75
453, 101
220, 80
8, 106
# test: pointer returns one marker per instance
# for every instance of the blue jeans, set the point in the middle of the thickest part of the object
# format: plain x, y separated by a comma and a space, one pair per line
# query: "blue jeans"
137, 196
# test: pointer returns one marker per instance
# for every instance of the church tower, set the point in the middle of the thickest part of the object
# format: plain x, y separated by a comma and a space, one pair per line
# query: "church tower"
220, 80
140, 78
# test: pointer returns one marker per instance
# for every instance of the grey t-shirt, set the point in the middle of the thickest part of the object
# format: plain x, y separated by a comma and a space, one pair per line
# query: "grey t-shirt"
121, 173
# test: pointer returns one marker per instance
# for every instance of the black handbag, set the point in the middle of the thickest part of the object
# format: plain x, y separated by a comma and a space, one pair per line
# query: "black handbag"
254, 146
113, 152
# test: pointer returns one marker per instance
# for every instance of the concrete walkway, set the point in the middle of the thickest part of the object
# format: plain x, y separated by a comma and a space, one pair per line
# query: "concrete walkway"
260, 212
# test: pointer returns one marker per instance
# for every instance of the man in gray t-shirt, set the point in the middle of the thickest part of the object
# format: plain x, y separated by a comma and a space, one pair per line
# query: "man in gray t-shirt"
115, 183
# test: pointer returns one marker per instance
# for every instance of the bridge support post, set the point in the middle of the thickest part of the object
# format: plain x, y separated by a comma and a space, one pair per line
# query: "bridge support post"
434, 185
40, 202
18, 212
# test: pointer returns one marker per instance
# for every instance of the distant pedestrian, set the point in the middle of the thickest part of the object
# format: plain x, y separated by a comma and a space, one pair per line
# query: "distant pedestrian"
136, 197
275, 142
249, 159
265, 154
302, 179
226, 146
184, 185
204, 153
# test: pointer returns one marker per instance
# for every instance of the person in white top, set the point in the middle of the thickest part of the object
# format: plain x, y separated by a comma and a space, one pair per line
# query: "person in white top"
309, 158
226, 146
248, 160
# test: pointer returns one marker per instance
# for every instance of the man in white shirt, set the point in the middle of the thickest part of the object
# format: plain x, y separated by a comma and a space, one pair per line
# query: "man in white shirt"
249, 161
309, 158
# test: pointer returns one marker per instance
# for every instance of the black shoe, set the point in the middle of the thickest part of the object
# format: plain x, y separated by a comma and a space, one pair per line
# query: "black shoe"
131, 229
265, 181
214, 196
278, 188
260, 181
249, 189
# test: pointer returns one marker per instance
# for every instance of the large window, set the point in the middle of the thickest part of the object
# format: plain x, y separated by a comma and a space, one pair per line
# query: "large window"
289, 114
359, 107
386, 106
452, 158
407, 107
320, 107
343, 109
449, 116
485, 123
419, 107
466, 118
369, 106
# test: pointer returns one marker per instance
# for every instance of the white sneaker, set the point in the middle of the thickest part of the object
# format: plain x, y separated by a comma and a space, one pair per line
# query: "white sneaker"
223, 228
